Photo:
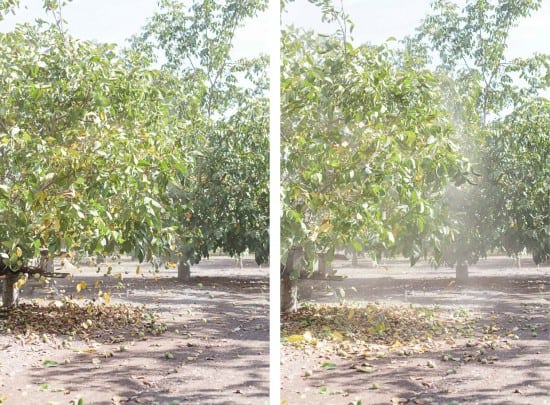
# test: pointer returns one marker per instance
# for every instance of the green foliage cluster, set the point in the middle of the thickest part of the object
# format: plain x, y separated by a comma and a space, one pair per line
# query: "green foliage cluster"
366, 149
499, 121
118, 151
438, 148
85, 146
226, 197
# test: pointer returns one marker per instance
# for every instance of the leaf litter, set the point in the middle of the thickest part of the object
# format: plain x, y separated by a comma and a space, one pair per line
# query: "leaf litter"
374, 328
85, 320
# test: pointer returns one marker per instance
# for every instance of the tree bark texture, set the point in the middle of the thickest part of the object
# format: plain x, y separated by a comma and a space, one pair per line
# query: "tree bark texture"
324, 266
184, 269
462, 272
289, 280
10, 293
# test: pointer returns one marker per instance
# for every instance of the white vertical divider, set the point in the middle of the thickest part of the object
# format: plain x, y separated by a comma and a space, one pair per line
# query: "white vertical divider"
274, 203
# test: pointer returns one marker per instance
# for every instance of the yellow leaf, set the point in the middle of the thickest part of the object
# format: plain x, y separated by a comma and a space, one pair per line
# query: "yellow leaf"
107, 298
396, 344
172, 265
97, 283
81, 286
19, 252
21, 282
325, 227
138, 270
295, 338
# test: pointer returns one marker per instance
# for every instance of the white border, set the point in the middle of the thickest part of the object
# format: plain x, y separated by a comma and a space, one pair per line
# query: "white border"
274, 203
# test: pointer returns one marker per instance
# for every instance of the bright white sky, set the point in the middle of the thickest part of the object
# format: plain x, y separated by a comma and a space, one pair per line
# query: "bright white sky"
115, 21
377, 20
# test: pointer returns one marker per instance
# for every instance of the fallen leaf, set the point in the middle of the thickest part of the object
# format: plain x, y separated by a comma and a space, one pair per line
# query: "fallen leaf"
365, 369
328, 366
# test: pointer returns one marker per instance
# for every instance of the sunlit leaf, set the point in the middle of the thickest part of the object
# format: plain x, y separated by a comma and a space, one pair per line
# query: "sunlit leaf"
81, 286
328, 366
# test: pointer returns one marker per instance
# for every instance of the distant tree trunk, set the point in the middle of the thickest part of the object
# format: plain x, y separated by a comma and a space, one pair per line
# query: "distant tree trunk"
46, 262
289, 280
354, 258
462, 272
324, 266
10, 293
184, 269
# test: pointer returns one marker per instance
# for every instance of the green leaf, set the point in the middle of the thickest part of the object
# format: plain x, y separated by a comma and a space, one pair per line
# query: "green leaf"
50, 363
328, 366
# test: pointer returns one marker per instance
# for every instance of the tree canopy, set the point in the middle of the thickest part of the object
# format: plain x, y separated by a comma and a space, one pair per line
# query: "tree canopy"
495, 101
414, 149
366, 149
128, 151
225, 200
86, 146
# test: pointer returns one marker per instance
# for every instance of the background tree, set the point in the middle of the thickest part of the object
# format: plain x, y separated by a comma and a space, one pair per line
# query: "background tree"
485, 93
366, 152
518, 169
225, 203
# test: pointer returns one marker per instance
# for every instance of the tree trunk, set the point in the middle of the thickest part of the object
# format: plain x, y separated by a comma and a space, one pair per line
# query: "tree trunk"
354, 258
324, 266
10, 293
46, 262
184, 269
462, 272
289, 280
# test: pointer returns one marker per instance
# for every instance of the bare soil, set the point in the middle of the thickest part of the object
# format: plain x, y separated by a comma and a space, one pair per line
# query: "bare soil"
215, 349
505, 360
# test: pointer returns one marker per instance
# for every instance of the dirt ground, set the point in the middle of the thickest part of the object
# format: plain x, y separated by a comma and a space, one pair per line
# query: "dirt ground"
505, 360
215, 349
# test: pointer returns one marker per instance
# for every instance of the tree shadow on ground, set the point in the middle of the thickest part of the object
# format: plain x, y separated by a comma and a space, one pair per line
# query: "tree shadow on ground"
512, 334
217, 339
147, 375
